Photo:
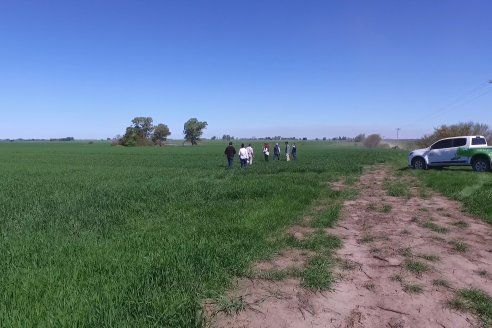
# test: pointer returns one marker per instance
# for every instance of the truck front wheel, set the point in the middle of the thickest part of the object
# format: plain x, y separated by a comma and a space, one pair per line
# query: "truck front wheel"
481, 164
418, 163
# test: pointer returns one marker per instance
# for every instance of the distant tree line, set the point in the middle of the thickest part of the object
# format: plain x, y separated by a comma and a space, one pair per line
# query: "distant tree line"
51, 139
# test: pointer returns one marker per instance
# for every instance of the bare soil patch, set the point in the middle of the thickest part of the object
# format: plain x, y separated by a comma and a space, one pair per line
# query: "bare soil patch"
404, 266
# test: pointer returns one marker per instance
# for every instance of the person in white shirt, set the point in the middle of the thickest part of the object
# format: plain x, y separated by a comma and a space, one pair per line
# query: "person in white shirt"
243, 156
251, 154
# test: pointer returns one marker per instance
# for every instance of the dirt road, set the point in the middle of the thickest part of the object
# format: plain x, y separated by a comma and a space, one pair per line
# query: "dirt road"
401, 262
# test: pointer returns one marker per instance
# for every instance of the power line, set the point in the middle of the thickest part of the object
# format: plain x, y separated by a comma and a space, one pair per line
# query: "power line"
458, 101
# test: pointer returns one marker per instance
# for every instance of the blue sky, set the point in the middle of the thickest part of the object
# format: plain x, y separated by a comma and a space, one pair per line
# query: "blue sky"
247, 67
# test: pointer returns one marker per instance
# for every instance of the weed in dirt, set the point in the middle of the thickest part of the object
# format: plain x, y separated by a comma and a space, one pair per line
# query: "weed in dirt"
371, 238
230, 305
441, 283
423, 209
350, 181
278, 275
461, 224
476, 302
483, 273
294, 272
459, 246
416, 267
406, 252
448, 215
318, 241
397, 277
415, 219
430, 257
438, 238
371, 207
405, 232
374, 250
369, 286
346, 265
327, 217
367, 239
425, 193
413, 288
434, 227
386, 208
274, 274
397, 189
317, 274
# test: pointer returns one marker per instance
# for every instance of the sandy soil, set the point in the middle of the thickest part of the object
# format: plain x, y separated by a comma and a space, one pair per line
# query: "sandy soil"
381, 236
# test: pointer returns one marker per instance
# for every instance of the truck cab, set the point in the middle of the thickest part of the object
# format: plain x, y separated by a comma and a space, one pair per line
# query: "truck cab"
455, 151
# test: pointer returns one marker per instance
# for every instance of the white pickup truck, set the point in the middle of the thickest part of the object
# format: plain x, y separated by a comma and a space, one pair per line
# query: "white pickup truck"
456, 151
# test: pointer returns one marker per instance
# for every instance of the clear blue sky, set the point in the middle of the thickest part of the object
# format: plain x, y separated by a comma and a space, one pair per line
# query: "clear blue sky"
248, 68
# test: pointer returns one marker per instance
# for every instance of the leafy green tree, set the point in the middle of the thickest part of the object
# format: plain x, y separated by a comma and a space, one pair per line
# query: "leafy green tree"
142, 132
193, 130
161, 132
144, 126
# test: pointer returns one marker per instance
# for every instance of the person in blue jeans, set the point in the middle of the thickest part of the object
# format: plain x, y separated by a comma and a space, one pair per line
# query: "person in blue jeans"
230, 151
243, 156
276, 152
294, 151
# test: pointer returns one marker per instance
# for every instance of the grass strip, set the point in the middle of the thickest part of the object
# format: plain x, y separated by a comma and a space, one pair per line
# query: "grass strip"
476, 302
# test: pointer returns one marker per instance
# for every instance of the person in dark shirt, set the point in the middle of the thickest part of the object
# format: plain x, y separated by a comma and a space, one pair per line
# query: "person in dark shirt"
230, 151
276, 152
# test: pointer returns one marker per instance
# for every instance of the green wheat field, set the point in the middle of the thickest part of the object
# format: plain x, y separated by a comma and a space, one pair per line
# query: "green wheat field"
99, 236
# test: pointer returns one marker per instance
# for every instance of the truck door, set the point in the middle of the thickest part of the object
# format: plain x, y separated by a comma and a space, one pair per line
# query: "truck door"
442, 152
458, 159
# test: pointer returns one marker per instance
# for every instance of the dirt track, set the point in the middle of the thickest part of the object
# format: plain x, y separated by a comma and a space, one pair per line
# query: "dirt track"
404, 258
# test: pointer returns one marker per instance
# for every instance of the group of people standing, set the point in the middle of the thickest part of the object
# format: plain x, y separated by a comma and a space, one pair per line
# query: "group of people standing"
246, 154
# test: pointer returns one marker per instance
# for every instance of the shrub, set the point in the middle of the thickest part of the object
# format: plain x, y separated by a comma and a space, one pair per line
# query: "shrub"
460, 129
372, 141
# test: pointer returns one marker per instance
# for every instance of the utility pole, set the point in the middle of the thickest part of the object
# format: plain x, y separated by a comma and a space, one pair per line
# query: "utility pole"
397, 133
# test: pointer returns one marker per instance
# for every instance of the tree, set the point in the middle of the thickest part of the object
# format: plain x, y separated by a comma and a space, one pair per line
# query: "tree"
372, 141
143, 133
460, 129
161, 132
193, 130
360, 137
143, 125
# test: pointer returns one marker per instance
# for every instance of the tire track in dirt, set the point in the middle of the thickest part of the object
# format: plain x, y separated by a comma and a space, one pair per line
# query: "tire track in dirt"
400, 265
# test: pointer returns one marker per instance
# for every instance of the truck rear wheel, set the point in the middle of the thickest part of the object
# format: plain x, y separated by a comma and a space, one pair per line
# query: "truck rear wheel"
481, 164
